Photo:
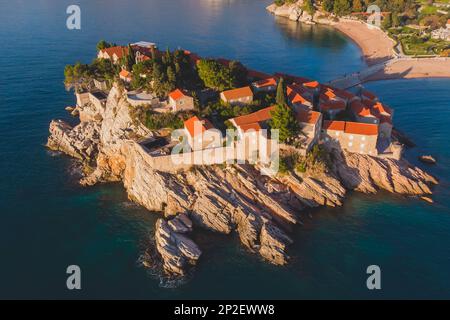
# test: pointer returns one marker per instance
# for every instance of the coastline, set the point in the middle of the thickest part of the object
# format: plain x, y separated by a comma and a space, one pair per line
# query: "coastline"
377, 49
375, 45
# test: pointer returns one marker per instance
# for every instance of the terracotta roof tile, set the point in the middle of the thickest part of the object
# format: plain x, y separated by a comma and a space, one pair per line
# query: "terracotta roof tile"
361, 128
266, 83
258, 116
334, 125
312, 84
311, 117
177, 94
119, 51
190, 124
238, 93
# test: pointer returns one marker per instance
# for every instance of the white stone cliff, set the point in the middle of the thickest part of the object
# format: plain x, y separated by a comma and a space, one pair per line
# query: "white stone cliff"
224, 199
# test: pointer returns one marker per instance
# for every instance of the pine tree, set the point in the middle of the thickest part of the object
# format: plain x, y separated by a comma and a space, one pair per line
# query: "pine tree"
283, 119
171, 77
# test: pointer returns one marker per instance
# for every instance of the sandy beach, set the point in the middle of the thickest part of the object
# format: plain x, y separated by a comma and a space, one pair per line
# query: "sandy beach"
376, 46
412, 68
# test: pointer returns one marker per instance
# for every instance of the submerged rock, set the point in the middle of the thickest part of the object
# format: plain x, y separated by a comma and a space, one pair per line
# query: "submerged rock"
428, 159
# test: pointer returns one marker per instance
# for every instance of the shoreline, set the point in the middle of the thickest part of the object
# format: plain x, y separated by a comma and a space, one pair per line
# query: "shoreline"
377, 48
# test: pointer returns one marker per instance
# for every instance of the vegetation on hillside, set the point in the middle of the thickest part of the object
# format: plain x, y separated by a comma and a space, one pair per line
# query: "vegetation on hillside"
221, 77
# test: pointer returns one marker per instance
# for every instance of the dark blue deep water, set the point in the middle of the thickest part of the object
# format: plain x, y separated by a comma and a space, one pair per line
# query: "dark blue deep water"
48, 222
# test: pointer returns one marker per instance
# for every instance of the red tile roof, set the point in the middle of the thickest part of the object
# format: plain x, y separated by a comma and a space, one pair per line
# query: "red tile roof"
255, 126
190, 125
235, 94
382, 109
125, 74
334, 125
294, 96
266, 83
119, 51
361, 128
311, 117
258, 116
177, 94
312, 84
330, 94
362, 110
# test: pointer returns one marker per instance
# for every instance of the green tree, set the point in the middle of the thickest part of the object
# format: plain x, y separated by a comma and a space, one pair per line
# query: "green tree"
130, 58
387, 22
281, 93
238, 74
395, 19
171, 77
214, 75
102, 44
342, 7
308, 6
358, 6
328, 5
283, 119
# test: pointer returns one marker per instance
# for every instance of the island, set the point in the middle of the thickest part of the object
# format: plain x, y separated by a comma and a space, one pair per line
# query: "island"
132, 98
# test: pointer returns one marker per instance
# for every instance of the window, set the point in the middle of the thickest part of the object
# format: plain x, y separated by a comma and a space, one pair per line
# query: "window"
362, 146
351, 137
350, 144
363, 138
337, 133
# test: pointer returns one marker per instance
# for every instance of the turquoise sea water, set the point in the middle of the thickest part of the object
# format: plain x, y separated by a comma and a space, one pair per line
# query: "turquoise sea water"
48, 222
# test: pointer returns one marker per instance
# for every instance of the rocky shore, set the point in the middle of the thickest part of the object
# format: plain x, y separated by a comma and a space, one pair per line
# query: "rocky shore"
225, 199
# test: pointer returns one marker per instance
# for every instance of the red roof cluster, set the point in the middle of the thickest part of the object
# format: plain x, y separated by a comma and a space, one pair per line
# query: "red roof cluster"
119, 51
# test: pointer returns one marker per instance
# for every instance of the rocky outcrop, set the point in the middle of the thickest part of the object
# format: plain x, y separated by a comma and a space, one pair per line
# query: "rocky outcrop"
294, 11
79, 142
368, 174
177, 251
224, 199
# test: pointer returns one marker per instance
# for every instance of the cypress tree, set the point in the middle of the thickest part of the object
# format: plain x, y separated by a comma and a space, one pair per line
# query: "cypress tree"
281, 93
